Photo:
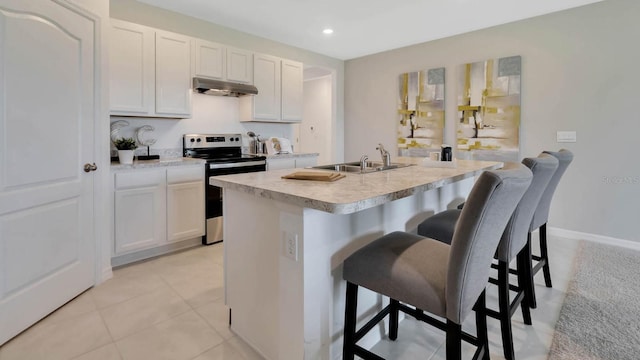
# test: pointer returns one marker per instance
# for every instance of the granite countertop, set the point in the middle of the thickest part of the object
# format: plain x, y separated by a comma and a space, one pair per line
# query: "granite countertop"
356, 191
292, 155
147, 164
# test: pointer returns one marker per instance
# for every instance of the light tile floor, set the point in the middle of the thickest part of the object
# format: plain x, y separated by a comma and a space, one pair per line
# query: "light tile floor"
172, 308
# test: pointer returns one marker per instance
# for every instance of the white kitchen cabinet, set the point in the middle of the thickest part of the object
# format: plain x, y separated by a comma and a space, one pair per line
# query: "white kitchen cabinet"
216, 61
132, 69
209, 60
279, 99
292, 84
157, 207
239, 65
173, 75
276, 164
185, 203
150, 72
306, 161
291, 162
140, 210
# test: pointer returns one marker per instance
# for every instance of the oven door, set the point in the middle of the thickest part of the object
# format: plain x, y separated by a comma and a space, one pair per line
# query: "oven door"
214, 194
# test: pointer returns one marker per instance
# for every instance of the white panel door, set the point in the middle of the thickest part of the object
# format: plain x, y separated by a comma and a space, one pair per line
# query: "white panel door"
47, 117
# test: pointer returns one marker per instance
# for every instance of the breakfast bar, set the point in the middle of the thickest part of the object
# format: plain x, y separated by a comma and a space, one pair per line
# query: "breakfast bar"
285, 241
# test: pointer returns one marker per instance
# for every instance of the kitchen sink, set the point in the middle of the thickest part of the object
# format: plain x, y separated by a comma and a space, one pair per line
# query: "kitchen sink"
354, 167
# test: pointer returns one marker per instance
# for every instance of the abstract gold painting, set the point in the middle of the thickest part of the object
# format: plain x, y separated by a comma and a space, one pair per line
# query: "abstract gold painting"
488, 120
421, 112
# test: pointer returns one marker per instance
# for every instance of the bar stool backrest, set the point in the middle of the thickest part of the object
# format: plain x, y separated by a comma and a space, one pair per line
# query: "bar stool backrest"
514, 237
484, 217
541, 216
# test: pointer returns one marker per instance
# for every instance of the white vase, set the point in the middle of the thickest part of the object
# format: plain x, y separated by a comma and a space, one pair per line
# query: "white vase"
125, 157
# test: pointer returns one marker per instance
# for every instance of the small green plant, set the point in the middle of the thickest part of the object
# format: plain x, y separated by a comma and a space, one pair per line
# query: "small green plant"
125, 144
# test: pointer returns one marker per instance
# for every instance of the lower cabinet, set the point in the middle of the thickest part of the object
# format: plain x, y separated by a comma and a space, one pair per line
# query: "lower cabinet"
185, 205
291, 162
156, 207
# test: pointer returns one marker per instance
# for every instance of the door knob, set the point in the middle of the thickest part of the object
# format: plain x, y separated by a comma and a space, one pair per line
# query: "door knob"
90, 167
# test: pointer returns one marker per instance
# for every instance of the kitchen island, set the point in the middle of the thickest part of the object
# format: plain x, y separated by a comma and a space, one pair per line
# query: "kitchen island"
285, 241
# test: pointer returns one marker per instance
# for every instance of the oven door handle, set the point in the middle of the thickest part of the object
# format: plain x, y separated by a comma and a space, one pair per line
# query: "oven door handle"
237, 165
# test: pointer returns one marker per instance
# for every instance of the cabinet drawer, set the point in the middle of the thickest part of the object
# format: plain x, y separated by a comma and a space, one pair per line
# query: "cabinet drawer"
185, 174
139, 178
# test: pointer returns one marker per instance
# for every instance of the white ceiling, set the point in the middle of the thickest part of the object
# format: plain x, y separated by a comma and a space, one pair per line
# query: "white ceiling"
361, 27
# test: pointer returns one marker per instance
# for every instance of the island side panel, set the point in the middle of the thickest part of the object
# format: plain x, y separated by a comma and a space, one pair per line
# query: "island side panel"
289, 309
262, 287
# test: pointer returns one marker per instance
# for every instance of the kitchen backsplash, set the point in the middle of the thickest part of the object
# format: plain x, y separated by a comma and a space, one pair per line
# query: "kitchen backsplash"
211, 114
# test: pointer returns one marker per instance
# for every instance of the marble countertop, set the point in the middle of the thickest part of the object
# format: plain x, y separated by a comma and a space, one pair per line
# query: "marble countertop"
355, 192
146, 164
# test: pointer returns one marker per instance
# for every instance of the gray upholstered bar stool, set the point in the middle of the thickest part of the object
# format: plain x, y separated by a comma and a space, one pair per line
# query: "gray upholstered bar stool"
513, 245
541, 216
444, 280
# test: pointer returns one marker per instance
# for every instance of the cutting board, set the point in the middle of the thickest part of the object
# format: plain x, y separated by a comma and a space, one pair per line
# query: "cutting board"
315, 175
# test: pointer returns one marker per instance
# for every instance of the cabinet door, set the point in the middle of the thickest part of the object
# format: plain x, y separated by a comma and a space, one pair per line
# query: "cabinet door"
173, 75
185, 210
303, 162
266, 77
131, 68
140, 218
239, 66
276, 164
210, 60
292, 85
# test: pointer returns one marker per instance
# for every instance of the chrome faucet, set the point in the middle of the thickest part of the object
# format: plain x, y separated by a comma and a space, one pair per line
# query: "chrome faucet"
363, 162
386, 157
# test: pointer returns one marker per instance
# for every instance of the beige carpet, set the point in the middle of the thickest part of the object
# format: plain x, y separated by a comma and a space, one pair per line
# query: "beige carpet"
600, 318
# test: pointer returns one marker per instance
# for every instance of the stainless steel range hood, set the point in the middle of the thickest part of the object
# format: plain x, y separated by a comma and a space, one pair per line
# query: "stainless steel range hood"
222, 88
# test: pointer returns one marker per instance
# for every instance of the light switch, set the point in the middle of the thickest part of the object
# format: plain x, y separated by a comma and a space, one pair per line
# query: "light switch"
565, 136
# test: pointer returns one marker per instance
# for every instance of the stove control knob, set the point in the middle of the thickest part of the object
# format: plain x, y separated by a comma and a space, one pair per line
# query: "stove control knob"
237, 139
192, 140
199, 140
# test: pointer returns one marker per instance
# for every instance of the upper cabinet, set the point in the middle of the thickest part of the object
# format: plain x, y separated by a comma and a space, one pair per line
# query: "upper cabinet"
150, 72
292, 84
173, 75
216, 61
279, 83
239, 65
132, 69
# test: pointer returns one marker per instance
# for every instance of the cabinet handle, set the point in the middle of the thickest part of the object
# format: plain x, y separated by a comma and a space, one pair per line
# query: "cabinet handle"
90, 167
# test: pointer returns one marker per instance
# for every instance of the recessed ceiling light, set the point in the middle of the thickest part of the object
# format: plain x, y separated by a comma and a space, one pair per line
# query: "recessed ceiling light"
327, 31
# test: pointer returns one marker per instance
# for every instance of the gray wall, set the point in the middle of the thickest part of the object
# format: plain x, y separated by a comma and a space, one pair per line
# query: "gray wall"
580, 72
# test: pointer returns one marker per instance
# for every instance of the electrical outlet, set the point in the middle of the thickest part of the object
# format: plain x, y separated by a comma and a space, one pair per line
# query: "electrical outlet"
290, 245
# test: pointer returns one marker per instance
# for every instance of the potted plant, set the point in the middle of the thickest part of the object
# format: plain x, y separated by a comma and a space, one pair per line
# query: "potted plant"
125, 147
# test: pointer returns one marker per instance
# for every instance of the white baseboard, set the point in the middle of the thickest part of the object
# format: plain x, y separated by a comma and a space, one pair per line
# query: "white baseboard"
607, 240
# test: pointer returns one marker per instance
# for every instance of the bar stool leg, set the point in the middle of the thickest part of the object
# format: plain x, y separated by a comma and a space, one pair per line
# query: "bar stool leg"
524, 268
530, 286
393, 319
505, 317
348, 347
454, 341
481, 324
545, 255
